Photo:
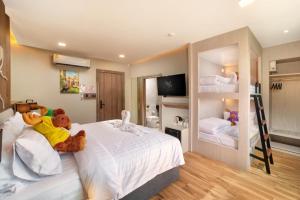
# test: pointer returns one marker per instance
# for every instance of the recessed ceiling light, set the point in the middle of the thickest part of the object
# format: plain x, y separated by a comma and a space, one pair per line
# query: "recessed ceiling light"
171, 34
62, 44
244, 3
121, 56
285, 31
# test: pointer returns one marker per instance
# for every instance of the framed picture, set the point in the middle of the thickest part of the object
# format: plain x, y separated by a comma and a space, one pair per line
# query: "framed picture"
69, 82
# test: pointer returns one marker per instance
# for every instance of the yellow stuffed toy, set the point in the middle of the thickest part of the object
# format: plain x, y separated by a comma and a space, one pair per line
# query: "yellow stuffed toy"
55, 129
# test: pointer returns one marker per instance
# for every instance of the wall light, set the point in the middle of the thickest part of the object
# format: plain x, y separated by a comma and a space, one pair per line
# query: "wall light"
122, 56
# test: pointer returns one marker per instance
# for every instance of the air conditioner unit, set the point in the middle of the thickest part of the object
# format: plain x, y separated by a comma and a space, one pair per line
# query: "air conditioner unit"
72, 61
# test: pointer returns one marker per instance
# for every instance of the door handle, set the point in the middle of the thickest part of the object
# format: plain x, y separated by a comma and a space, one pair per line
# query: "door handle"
101, 104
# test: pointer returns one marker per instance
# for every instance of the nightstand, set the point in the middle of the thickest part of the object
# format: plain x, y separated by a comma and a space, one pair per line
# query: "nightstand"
181, 133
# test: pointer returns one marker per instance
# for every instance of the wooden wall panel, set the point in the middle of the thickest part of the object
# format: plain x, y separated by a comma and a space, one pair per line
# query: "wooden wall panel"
4, 59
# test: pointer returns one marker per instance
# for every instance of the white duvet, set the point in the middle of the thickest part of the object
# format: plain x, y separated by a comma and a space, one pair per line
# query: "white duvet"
115, 163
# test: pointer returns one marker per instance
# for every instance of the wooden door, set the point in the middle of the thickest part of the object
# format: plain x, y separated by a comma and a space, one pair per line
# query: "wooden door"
110, 94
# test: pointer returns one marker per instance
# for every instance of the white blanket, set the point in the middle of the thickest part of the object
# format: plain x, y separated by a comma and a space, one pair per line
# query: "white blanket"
212, 125
115, 163
218, 80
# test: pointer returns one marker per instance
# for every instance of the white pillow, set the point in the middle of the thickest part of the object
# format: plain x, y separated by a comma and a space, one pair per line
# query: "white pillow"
36, 152
212, 125
12, 128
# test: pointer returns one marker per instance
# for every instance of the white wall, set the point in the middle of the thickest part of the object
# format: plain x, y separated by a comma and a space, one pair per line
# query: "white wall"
175, 63
151, 91
167, 65
35, 77
284, 51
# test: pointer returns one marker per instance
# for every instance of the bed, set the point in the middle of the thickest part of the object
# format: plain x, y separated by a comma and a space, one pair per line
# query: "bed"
220, 84
114, 165
218, 88
228, 137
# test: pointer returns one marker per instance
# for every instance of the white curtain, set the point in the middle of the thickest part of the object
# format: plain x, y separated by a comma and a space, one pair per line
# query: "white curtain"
285, 107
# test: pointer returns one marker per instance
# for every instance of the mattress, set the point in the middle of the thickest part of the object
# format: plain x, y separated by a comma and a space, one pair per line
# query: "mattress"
116, 162
228, 137
65, 186
218, 88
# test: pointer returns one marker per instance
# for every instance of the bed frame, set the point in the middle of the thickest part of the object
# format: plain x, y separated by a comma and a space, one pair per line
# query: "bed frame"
154, 186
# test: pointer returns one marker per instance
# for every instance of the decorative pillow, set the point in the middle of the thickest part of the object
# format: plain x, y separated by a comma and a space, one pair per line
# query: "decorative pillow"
12, 128
37, 154
233, 117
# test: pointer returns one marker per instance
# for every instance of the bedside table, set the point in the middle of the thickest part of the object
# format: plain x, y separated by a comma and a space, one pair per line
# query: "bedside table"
181, 133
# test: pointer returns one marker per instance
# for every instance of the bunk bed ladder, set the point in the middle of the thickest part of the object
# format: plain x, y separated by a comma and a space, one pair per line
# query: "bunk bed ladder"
263, 130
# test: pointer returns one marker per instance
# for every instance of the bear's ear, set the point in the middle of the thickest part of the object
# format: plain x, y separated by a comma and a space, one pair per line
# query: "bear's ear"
59, 111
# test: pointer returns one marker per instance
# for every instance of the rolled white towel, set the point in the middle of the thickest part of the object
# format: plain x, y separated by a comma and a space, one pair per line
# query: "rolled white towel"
125, 117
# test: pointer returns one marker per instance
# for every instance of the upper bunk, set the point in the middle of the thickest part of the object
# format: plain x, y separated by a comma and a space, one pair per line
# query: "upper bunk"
218, 73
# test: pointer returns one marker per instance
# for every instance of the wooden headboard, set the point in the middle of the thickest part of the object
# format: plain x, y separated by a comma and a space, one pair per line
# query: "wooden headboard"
4, 59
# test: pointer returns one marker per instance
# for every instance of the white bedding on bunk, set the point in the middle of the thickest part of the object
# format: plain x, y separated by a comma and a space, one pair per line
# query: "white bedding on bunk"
65, 186
218, 88
228, 136
115, 163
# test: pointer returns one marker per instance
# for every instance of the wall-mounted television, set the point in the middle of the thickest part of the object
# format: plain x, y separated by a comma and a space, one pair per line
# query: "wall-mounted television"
173, 85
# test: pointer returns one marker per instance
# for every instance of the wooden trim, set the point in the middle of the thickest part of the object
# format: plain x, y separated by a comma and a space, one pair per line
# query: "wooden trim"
288, 60
283, 75
5, 70
1, 130
109, 71
141, 97
176, 105
160, 55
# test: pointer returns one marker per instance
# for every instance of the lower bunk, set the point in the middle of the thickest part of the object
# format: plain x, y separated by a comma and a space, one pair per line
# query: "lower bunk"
218, 139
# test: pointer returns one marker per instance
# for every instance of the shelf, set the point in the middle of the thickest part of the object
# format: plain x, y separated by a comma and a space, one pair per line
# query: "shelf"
226, 95
284, 75
176, 105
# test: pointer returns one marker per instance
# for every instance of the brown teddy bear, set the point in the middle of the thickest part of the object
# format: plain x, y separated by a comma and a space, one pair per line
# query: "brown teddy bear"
55, 129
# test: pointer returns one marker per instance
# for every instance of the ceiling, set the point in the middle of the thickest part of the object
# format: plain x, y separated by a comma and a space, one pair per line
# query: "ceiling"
225, 56
139, 28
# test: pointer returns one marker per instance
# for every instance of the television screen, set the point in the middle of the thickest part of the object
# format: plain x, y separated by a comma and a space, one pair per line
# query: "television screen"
171, 85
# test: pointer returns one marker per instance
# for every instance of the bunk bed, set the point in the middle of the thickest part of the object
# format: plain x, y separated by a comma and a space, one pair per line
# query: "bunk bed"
224, 70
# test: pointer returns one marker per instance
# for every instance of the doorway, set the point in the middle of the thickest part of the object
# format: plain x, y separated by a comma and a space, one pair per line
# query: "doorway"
110, 94
149, 103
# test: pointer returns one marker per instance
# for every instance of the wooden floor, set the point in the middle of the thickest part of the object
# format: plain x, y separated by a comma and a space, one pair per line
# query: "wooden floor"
201, 178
